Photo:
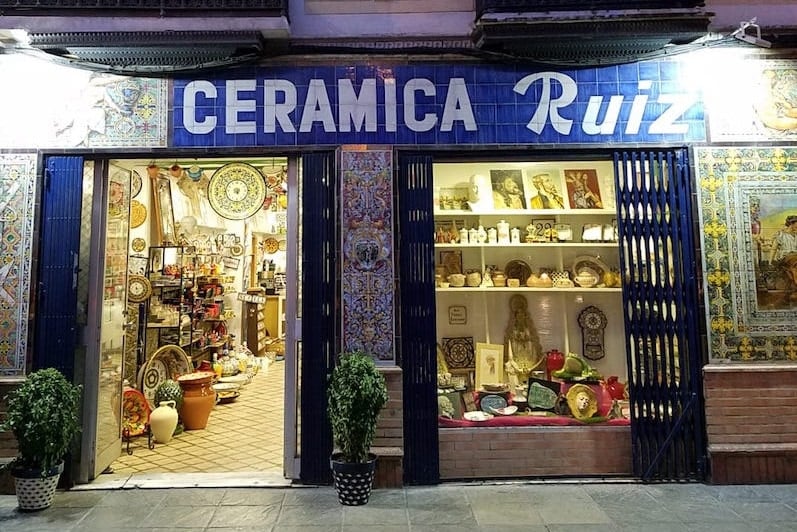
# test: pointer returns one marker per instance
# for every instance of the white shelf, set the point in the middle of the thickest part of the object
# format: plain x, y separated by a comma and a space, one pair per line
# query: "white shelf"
527, 212
532, 245
525, 289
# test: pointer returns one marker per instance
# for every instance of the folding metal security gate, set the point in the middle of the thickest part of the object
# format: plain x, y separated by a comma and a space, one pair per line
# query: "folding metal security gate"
660, 296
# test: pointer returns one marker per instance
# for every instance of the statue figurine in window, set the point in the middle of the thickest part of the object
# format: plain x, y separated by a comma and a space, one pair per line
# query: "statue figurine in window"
521, 337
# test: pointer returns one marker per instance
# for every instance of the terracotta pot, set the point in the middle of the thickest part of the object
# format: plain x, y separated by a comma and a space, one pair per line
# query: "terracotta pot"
198, 399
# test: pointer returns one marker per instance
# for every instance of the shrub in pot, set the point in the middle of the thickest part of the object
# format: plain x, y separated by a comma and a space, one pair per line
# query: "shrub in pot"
44, 415
356, 394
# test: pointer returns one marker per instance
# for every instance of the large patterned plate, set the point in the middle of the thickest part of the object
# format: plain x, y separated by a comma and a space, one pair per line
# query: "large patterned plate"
168, 362
136, 412
236, 191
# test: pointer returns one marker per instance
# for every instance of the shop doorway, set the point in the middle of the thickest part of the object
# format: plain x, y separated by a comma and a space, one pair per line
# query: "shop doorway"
176, 277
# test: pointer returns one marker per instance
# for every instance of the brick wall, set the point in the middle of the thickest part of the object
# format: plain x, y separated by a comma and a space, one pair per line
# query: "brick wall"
389, 441
495, 452
751, 423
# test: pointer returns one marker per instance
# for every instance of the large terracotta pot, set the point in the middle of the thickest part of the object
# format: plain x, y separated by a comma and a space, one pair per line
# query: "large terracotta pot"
198, 399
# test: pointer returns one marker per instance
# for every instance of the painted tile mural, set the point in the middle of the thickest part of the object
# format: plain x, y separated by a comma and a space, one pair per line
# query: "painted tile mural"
17, 196
748, 208
54, 106
367, 244
750, 99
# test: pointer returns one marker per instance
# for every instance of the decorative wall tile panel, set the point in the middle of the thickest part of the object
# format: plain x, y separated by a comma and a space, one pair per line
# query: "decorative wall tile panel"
367, 272
60, 107
748, 209
17, 197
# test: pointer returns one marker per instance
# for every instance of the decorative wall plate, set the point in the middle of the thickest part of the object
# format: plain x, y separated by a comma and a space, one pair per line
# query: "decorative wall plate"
283, 245
489, 403
138, 244
138, 213
139, 288
236, 191
135, 183
271, 245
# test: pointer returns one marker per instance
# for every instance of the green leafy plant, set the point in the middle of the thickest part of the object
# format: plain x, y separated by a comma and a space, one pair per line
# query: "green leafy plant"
43, 413
356, 394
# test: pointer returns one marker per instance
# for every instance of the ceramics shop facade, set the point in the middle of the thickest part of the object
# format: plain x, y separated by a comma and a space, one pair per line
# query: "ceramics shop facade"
595, 170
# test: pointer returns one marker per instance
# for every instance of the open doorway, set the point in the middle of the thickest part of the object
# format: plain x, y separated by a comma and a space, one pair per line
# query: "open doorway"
208, 245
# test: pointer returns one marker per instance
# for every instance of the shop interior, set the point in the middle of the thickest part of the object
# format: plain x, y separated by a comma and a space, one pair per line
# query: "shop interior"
528, 292
205, 247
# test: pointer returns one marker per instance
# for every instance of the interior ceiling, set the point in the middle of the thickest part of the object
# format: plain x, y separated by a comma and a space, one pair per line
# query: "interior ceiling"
210, 163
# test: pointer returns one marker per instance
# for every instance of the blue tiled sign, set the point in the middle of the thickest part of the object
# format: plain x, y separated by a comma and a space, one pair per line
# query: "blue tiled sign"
648, 102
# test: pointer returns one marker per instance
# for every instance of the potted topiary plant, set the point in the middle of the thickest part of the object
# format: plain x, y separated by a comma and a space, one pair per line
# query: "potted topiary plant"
356, 394
44, 415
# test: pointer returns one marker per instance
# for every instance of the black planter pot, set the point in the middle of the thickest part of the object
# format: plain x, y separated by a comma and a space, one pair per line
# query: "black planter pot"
353, 481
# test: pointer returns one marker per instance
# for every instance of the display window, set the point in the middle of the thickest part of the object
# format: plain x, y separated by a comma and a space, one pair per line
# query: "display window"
528, 293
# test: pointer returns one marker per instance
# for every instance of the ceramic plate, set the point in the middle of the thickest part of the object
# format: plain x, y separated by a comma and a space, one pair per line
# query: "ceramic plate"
227, 397
136, 412
139, 288
506, 411
490, 403
271, 245
236, 379
138, 244
517, 269
236, 191
135, 184
138, 213
477, 416
168, 362
591, 266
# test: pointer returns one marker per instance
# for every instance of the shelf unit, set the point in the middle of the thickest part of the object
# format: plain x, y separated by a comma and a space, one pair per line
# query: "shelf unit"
170, 273
554, 310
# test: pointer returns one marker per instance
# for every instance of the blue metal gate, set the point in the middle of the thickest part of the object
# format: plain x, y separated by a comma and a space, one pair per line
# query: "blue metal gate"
417, 327
56, 308
659, 259
319, 275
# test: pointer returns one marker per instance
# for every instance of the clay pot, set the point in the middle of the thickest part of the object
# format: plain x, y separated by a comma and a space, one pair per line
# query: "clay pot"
456, 279
499, 279
474, 279
198, 399
163, 421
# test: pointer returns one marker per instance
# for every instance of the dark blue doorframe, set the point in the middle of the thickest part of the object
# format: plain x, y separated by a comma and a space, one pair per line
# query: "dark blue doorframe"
56, 296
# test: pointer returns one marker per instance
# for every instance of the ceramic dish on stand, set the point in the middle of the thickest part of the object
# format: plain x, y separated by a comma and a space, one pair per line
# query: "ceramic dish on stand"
168, 362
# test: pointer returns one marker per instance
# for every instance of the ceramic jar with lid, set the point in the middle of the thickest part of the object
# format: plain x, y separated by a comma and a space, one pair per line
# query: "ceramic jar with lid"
492, 235
514, 235
463, 236
499, 278
503, 232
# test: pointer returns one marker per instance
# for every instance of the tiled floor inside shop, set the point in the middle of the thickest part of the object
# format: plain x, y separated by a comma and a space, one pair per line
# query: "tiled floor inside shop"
244, 436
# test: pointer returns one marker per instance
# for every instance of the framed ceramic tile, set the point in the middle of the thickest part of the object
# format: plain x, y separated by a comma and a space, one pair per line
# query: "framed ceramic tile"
459, 352
450, 405
547, 191
508, 189
452, 260
583, 189
489, 364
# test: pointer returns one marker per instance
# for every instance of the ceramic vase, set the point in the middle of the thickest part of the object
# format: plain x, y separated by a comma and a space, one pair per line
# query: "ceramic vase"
198, 399
163, 421
554, 361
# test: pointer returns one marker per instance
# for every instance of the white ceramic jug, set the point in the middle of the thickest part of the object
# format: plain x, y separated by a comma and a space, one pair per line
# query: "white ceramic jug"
163, 421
